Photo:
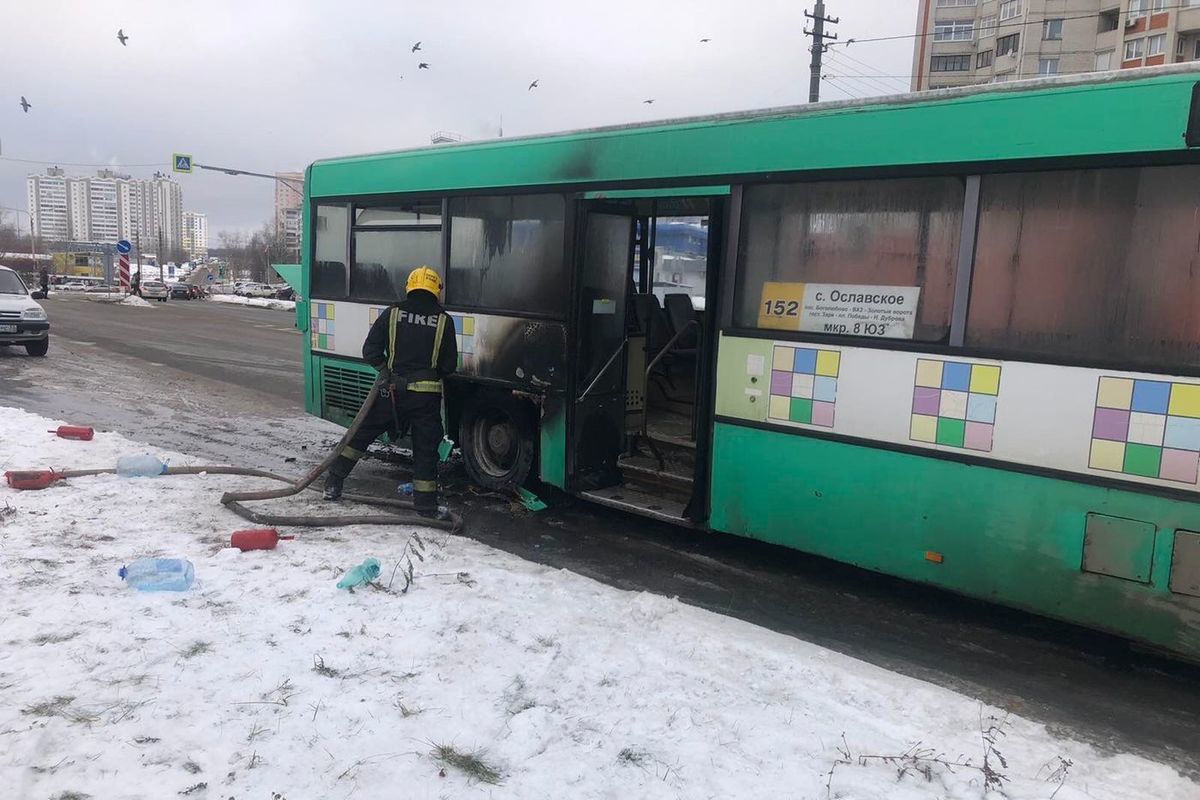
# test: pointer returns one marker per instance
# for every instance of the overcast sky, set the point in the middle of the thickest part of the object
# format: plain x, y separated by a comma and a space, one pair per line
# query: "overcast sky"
271, 85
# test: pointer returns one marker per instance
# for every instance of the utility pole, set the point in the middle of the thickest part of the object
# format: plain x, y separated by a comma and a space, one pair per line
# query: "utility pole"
819, 36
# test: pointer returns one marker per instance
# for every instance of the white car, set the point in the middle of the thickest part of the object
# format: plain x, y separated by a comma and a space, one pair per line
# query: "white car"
22, 320
73, 286
155, 290
256, 290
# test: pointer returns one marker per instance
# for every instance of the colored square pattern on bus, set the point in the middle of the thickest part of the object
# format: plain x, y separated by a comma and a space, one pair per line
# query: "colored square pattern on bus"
373, 313
321, 327
803, 385
1147, 428
954, 404
464, 337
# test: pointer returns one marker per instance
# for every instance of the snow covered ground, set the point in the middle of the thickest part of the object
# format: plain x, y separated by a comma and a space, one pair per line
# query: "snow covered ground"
265, 681
258, 302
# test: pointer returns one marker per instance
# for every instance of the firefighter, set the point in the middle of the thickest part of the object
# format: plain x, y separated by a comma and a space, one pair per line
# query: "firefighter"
412, 345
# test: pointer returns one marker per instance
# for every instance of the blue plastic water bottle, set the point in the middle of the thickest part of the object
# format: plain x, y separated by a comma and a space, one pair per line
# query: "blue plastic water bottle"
364, 573
159, 574
143, 466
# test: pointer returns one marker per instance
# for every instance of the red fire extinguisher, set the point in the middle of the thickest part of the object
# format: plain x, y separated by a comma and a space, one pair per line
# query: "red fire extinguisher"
256, 539
83, 433
31, 478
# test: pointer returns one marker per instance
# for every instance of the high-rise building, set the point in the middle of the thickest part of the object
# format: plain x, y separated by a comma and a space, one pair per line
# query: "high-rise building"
168, 213
963, 42
106, 208
47, 199
195, 234
289, 204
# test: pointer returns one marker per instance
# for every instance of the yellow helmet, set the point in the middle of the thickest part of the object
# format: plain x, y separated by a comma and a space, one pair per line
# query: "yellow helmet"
424, 278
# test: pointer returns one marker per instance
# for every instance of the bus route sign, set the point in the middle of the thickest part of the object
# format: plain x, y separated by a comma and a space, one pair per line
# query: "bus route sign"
886, 312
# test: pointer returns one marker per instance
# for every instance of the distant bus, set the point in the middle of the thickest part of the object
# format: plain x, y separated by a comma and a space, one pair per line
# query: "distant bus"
87, 280
951, 336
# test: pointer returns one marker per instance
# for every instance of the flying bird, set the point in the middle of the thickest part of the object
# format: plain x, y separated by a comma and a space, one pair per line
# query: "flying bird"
533, 86
704, 41
649, 102
422, 65
121, 37
25, 104
416, 47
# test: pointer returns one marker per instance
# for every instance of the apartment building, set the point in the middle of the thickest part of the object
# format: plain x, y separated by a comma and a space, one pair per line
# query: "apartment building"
289, 204
964, 42
168, 212
47, 199
195, 234
105, 207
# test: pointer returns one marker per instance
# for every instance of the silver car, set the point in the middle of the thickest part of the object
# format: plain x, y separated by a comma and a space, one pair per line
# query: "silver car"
155, 290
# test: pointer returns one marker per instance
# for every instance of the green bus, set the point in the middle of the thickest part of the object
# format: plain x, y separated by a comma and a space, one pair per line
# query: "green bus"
952, 336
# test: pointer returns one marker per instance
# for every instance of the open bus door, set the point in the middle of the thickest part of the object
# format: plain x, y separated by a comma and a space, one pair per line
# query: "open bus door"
645, 340
603, 252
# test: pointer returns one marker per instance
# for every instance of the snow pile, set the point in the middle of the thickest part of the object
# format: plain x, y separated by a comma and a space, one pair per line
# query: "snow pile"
264, 678
257, 302
105, 297
134, 300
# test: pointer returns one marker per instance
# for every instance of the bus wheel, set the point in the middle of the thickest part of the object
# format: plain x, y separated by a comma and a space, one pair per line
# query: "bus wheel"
498, 440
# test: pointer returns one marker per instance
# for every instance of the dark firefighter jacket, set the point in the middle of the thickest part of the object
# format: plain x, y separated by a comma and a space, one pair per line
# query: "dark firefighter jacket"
414, 339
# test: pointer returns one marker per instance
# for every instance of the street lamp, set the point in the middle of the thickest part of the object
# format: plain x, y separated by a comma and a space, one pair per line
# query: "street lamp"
32, 251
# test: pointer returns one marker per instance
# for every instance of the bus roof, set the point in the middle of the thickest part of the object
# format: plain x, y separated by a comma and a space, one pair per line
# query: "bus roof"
1126, 111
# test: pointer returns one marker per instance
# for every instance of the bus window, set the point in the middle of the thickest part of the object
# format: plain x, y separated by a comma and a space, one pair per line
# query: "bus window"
506, 254
1095, 263
681, 258
329, 275
425, 212
383, 259
901, 232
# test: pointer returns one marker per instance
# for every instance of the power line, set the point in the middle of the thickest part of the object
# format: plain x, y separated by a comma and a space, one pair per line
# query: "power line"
80, 164
853, 71
1025, 23
842, 89
865, 65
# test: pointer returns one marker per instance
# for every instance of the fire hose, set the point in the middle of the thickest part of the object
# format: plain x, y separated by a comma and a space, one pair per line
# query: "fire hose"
401, 512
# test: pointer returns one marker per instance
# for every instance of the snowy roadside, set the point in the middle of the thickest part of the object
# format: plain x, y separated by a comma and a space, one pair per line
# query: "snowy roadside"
257, 302
264, 678
119, 298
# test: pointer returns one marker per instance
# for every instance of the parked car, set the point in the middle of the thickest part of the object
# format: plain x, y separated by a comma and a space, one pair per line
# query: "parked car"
22, 320
72, 286
285, 292
181, 291
255, 290
155, 290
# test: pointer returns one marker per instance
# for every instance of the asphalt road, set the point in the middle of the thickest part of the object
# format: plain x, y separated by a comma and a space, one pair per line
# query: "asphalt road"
224, 382
254, 348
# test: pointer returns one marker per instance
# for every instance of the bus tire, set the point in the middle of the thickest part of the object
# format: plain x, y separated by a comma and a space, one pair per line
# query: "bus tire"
498, 437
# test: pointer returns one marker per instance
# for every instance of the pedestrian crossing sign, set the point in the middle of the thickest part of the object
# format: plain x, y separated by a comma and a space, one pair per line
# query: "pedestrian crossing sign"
182, 163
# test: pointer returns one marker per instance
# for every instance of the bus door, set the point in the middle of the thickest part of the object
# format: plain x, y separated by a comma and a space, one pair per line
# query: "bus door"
644, 351
603, 257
